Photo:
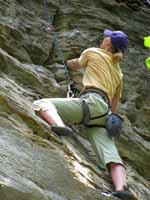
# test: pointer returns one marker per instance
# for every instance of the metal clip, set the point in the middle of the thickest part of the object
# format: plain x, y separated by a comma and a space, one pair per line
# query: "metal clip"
70, 93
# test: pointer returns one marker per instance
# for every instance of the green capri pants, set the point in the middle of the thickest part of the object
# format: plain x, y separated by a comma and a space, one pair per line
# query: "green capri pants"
71, 111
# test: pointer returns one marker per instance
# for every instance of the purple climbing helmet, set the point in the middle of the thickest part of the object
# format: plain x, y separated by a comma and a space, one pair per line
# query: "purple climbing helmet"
119, 40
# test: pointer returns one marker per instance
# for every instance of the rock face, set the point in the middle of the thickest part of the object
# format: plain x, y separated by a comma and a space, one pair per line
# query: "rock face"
34, 163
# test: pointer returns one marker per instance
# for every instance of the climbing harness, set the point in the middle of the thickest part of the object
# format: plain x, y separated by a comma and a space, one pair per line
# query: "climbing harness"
113, 122
71, 87
86, 111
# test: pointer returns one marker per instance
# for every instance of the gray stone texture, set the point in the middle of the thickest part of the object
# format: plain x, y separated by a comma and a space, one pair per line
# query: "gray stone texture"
35, 164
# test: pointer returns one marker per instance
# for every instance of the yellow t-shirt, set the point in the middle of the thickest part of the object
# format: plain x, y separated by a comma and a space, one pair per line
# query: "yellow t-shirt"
101, 72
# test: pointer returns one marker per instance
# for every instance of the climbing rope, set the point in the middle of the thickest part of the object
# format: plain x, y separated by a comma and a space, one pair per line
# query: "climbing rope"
71, 88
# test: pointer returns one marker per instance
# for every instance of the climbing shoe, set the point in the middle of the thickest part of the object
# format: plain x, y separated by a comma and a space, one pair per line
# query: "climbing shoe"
125, 194
61, 131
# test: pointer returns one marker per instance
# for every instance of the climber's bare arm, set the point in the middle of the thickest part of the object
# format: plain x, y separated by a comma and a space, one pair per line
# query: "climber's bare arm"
73, 64
114, 104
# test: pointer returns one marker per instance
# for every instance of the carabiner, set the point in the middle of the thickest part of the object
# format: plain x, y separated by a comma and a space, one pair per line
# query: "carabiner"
70, 93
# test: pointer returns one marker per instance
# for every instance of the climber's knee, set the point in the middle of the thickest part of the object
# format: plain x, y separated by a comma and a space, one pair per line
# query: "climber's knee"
43, 105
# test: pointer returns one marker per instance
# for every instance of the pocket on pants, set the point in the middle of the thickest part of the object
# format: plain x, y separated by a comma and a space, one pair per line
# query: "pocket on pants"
98, 109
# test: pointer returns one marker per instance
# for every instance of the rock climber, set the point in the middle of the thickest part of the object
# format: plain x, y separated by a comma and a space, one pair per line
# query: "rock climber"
102, 88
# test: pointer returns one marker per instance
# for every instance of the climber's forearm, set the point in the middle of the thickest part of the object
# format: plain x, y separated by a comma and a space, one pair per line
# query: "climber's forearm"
114, 104
73, 64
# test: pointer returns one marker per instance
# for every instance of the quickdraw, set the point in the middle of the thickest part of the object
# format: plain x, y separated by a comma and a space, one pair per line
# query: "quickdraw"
71, 87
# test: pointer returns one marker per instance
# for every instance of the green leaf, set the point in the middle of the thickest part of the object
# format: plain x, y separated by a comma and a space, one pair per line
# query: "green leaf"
147, 41
148, 63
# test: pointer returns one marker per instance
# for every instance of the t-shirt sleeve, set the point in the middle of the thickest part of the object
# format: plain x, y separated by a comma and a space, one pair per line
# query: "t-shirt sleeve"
83, 59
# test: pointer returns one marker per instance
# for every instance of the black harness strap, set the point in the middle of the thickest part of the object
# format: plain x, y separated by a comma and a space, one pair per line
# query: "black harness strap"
86, 111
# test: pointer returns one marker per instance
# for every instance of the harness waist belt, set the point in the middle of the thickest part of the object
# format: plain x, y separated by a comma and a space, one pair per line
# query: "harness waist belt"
97, 91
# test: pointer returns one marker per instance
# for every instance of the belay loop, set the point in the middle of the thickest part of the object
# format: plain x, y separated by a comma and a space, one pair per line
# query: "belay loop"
71, 88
